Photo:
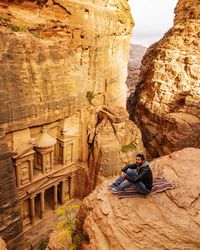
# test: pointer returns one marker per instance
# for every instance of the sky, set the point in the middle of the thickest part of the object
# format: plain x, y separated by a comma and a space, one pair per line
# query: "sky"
152, 19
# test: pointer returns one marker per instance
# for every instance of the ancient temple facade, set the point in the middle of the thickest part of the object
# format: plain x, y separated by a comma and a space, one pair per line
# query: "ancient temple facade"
45, 165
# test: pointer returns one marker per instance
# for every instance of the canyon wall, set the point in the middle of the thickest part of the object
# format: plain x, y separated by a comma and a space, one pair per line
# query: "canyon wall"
10, 221
57, 56
167, 102
134, 64
63, 67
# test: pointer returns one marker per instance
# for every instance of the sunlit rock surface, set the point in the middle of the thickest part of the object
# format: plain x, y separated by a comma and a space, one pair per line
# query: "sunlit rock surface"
56, 56
168, 220
58, 59
113, 141
10, 221
2, 245
167, 98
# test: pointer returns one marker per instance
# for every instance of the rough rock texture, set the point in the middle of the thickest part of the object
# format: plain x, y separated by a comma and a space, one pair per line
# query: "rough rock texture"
169, 220
58, 241
59, 59
134, 63
10, 222
113, 141
168, 95
2, 244
55, 57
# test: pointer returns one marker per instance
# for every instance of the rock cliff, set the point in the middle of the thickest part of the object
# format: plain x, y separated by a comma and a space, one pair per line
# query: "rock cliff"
167, 98
63, 67
10, 221
134, 64
113, 141
168, 220
56, 55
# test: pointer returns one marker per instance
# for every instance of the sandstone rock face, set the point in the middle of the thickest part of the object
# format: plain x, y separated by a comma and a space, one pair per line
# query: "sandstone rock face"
113, 141
135, 57
61, 62
134, 64
10, 221
168, 96
168, 220
56, 55
2, 244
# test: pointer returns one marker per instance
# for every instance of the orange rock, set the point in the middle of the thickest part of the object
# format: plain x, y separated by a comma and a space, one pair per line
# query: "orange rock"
2, 244
168, 220
168, 97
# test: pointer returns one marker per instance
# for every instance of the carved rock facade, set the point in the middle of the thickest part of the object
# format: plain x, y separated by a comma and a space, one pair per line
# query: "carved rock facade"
167, 99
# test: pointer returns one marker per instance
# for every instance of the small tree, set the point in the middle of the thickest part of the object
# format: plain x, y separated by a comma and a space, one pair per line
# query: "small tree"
67, 224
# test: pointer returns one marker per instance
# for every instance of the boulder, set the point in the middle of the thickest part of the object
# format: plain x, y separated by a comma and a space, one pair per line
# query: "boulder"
167, 220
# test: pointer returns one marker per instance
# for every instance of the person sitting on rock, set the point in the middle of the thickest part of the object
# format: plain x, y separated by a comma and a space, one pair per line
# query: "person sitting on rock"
138, 174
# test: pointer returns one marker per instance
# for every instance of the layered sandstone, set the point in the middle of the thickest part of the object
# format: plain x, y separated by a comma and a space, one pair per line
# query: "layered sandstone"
61, 64
168, 220
134, 63
10, 221
58, 55
113, 141
167, 98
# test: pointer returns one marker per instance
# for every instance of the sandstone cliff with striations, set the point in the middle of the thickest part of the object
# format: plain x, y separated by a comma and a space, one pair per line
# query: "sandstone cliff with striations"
134, 64
57, 55
168, 96
10, 221
168, 220
63, 71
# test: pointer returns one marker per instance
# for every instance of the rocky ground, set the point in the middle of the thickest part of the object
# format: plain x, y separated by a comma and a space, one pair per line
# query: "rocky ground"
168, 220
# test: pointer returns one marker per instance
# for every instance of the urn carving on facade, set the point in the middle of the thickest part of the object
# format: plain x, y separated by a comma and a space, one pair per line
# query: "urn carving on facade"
45, 153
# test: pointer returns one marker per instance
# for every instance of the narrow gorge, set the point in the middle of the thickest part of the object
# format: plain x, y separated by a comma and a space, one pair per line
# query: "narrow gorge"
70, 119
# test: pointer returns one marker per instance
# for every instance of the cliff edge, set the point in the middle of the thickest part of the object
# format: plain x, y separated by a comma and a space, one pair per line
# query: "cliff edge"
168, 220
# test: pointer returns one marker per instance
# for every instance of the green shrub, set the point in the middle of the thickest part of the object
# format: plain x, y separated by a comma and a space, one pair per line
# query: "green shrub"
15, 28
127, 148
69, 237
43, 244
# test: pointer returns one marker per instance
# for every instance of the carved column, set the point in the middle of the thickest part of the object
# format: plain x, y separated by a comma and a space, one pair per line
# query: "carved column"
42, 203
31, 170
72, 185
55, 200
21, 209
18, 181
63, 192
52, 156
32, 199
43, 166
